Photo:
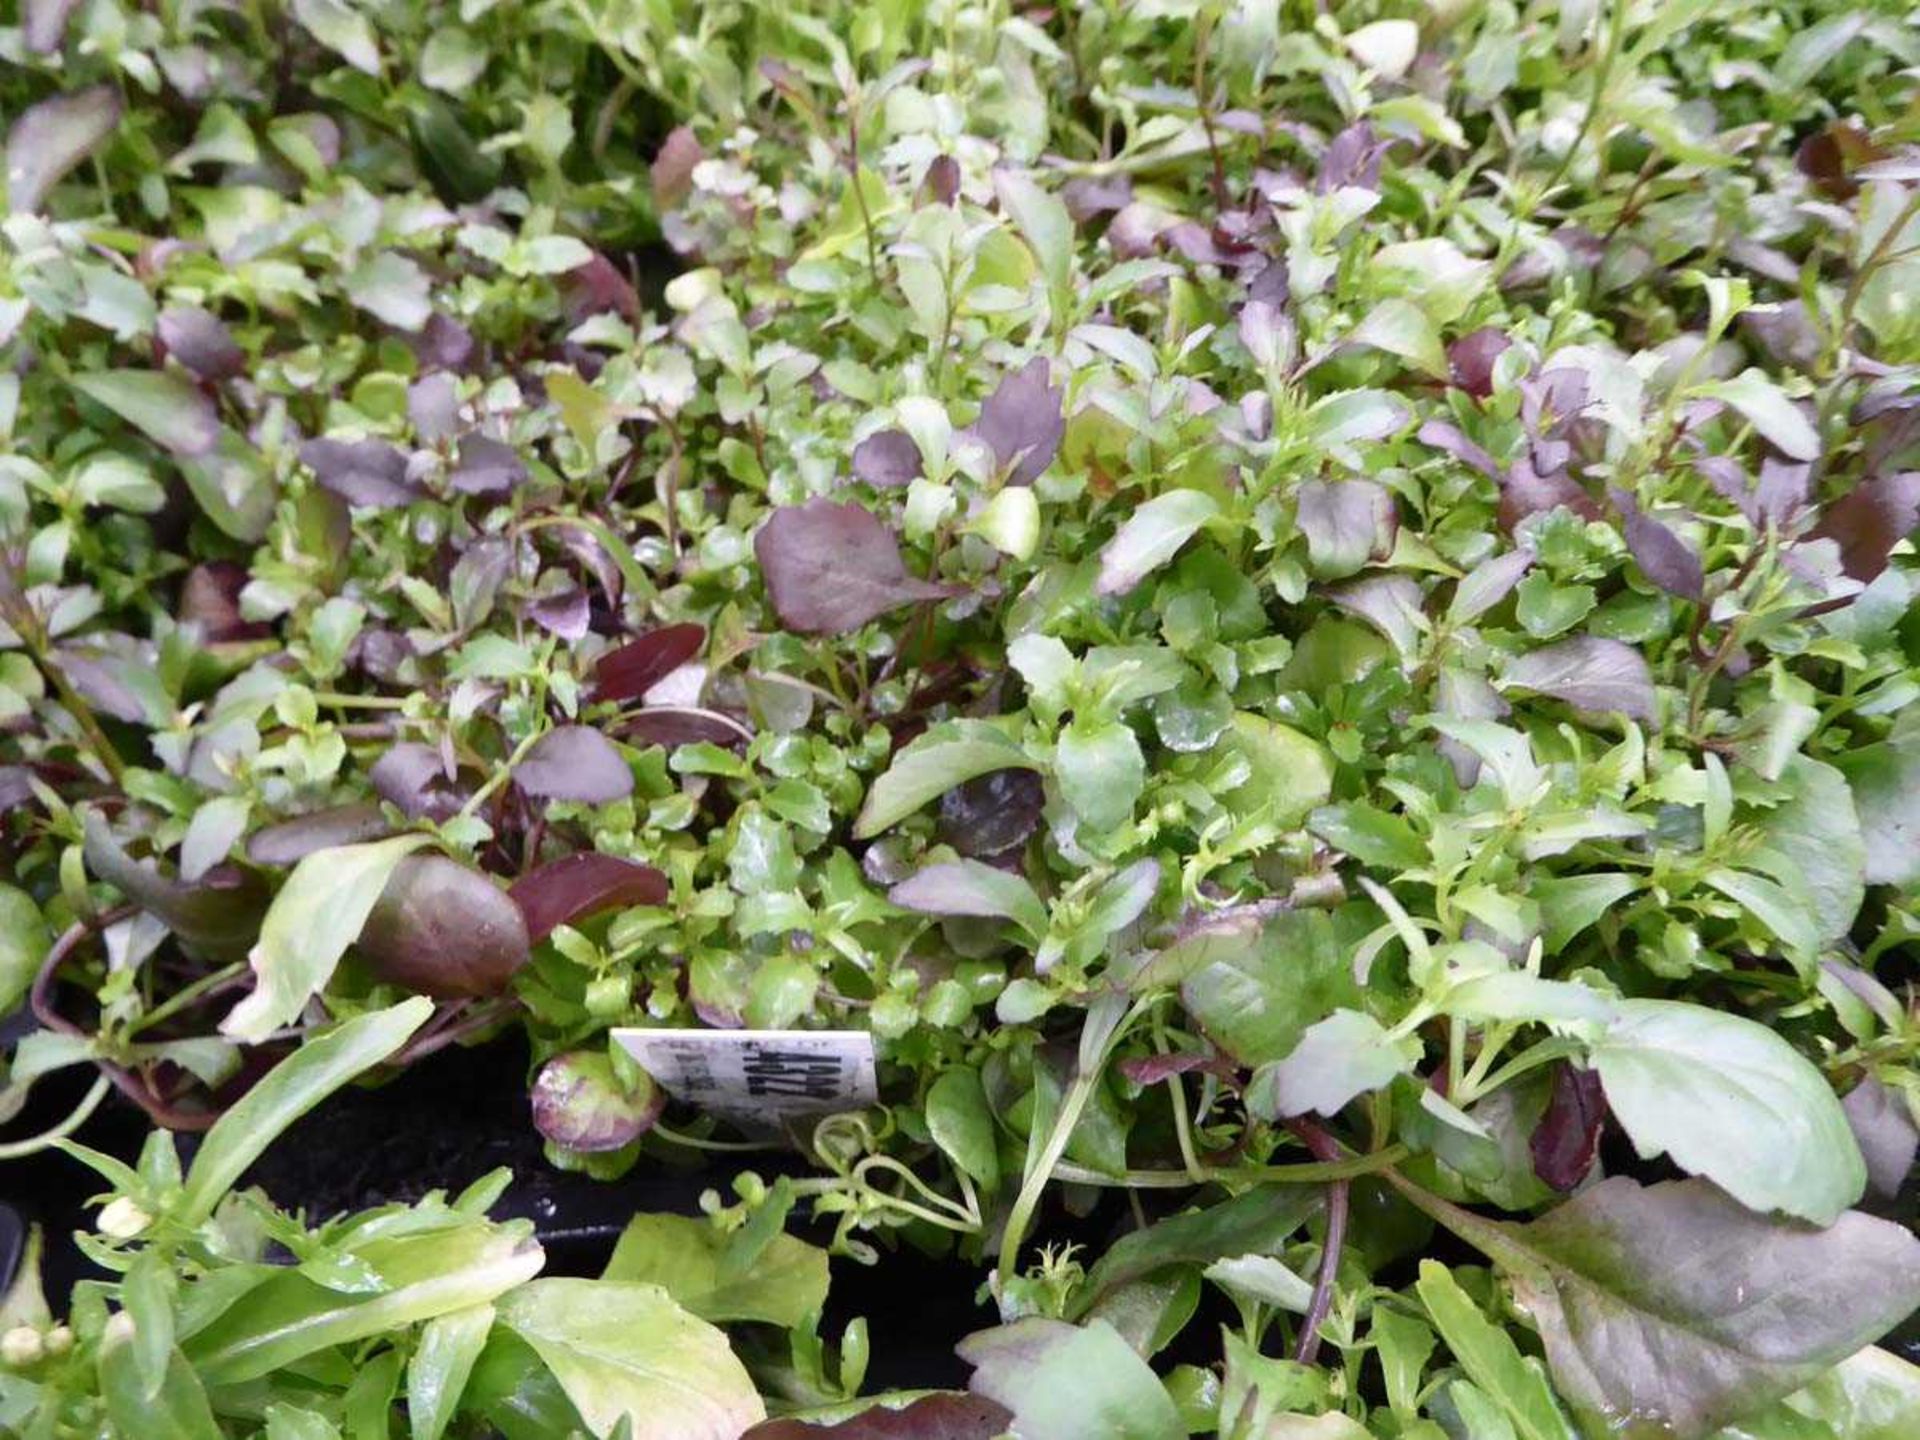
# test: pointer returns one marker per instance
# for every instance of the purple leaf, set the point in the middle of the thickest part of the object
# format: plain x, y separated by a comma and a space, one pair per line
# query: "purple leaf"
1883, 1125
630, 670
936, 1416
1352, 158
200, 342
1152, 1069
576, 763
1022, 422
433, 407
1870, 519
992, 813
442, 929
1487, 584
1445, 436
579, 1103
887, 460
1589, 673
291, 841
1092, 195
210, 599
941, 183
217, 915
830, 568
572, 888
1389, 603
1567, 1138
486, 467
672, 168
598, 287
443, 343
361, 472
1346, 524
1663, 557
43, 23
50, 138
1470, 360
672, 725
1526, 491
413, 777
565, 614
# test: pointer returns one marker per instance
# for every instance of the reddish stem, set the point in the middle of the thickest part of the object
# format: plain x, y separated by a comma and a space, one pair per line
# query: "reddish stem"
1324, 1149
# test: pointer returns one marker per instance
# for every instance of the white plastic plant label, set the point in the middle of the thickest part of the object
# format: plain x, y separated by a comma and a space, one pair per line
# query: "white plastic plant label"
767, 1075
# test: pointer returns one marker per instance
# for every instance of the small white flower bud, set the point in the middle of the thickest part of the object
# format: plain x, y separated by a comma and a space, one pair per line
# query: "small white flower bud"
21, 1345
122, 1219
59, 1340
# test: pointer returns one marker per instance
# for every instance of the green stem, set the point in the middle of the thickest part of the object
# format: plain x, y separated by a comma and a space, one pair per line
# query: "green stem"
81, 1113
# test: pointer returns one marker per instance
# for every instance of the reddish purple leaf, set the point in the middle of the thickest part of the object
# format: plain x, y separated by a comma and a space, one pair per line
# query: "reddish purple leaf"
672, 169
1663, 557
1153, 1069
1092, 195
628, 671
992, 813
433, 407
1870, 519
1352, 158
1445, 436
210, 599
444, 930
597, 287
1526, 491
887, 459
361, 472
1470, 360
52, 137
291, 841
1567, 1138
936, 1416
443, 342
1022, 422
414, 778
830, 568
486, 467
43, 23
570, 889
576, 763
200, 342
941, 184
565, 614
672, 725
1882, 1123
1589, 673
579, 1103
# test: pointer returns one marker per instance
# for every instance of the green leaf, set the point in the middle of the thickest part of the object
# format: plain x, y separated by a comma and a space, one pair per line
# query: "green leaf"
289, 1316
1517, 1384
1255, 1222
177, 1410
785, 1285
1254, 983
1766, 407
1673, 1308
1292, 773
947, 755
318, 913
164, 407
961, 1123
968, 887
25, 939
288, 1091
342, 29
1730, 1100
146, 1294
438, 1369
1370, 835
628, 1353
1812, 843
1886, 791
1343, 1056
1152, 536
1788, 916
1100, 770
1067, 1382
1871, 1395
1570, 903
1402, 328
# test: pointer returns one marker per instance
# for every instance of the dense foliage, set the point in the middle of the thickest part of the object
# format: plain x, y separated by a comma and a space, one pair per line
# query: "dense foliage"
1306, 611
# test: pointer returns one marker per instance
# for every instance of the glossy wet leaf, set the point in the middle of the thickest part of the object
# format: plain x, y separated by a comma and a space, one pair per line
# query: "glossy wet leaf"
443, 929
1062, 1381
581, 1103
946, 756
574, 887
628, 671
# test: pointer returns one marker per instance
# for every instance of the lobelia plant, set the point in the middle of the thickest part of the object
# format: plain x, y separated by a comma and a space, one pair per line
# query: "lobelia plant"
1305, 612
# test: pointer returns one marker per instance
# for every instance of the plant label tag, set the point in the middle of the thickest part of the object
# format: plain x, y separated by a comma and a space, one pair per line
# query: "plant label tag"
764, 1075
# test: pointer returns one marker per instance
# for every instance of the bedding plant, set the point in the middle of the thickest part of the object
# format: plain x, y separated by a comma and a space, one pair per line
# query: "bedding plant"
1305, 611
